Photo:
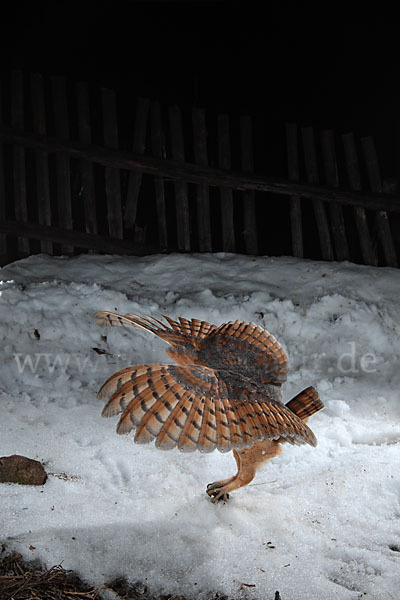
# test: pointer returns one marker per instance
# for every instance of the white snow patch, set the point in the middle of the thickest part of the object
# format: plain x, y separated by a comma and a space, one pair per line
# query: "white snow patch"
316, 523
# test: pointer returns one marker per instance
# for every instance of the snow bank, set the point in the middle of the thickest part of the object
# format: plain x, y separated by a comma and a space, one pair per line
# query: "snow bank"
316, 523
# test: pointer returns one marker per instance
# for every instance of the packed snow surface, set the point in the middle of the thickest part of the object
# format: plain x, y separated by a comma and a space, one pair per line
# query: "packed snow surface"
316, 523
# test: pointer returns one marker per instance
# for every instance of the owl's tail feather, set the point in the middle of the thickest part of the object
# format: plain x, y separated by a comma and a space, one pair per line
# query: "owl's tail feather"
306, 403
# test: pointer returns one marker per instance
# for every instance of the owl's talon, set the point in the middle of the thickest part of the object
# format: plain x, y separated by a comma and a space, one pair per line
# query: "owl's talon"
220, 497
216, 492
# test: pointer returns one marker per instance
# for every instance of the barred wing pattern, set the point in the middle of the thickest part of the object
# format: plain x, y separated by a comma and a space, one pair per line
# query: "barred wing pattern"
193, 407
238, 347
306, 403
224, 393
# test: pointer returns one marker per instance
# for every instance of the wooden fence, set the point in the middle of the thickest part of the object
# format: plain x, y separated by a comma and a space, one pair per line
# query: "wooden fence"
77, 173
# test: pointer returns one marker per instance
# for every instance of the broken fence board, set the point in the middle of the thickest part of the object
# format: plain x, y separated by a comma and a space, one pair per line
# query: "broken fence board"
249, 205
157, 147
181, 194
203, 190
64, 204
139, 146
19, 167
158, 150
224, 162
3, 239
335, 210
42, 158
310, 160
112, 175
381, 218
86, 167
295, 201
354, 177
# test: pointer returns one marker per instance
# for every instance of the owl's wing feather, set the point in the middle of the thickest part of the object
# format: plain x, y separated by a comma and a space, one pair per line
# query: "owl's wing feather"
183, 335
194, 407
248, 349
182, 328
234, 346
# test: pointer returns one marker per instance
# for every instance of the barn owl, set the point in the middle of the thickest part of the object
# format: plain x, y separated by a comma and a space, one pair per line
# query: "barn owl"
224, 392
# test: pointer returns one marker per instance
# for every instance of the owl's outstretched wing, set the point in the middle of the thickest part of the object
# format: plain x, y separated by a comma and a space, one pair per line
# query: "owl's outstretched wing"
243, 348
196, 407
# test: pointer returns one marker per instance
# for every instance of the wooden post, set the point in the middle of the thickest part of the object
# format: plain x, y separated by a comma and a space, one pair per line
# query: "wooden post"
310, 159
249, 206
17, 122
182, 203
86, 167
42, 159
295, 201
335, 210
62, 158
224, 161
113, 181
360, 217
381, 219
157, 150
139, 146
3, 239
203, 190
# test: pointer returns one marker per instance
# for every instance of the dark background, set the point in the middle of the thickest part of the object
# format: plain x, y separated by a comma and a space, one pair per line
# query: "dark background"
329, 65
314, 62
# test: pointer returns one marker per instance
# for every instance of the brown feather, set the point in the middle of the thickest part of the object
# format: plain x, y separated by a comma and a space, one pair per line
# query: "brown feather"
114, 383
306, 403
207, 438
169, 434
140, 406
233, 422
156, 417
240, 411
166, 402
223, 434
129, 390
189, 436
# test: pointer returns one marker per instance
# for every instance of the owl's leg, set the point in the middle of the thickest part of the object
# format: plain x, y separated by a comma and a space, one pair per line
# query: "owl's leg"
216, 489
248, 460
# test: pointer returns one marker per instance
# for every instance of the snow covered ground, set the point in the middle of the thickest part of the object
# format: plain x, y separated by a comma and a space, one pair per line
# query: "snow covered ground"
316, 523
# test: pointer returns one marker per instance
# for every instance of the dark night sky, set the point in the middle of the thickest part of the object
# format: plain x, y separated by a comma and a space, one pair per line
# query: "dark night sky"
312, 62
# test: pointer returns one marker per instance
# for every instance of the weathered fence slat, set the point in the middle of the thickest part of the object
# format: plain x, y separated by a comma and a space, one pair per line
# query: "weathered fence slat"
203, 190
335, 210
310, 160
64, 204
112, 175
42, 159
224, 162
139, 146
353, 173
86, 167
381, 218
192, 173
249, 204
295, 201
17, 121
182, 202
157, 150
79, 239
3, 239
